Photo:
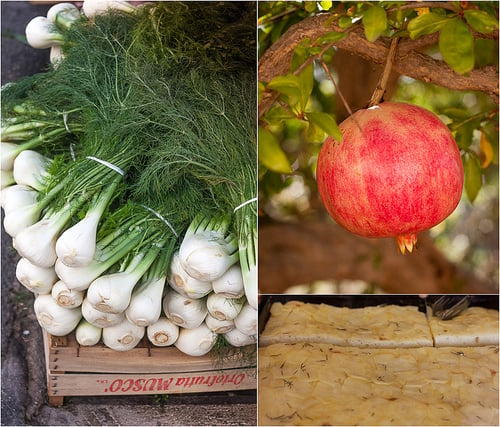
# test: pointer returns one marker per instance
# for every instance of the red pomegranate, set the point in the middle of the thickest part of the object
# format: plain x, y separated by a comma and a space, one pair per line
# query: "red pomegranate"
396, 172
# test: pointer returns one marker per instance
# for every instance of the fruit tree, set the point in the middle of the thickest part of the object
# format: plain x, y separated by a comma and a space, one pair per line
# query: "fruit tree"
322, 64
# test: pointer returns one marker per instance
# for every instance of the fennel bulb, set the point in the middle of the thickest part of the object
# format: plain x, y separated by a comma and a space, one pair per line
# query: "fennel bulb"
246, 320
63, 14
56, 55
223, 308
95, 7
17, 196
230, 284
66, 297
122, 336
30, 168
6, 179
205, 252
87, 334
9, 154
41, 33
20, 219
250, 282
197, 341
145, 304
163, 332
76, 246
38, 241
38, 280
111, 293
185, 284
98, 318
56, 320
219, 326
238, 339
184, 311
79, 278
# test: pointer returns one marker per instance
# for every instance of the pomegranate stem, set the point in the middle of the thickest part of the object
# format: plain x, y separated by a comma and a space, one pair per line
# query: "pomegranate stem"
379, 91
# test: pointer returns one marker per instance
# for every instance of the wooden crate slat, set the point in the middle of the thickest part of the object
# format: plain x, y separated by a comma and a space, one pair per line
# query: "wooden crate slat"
65, 354
74, 370
133, 384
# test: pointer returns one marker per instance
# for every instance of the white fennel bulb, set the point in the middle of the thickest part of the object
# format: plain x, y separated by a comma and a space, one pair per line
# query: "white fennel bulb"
19, 219
66, 297
63, 14
163, 332
197, 341
238, 339
38, 280
9, 152
17, 196
30, 168
185, 284
250, 282
38, 241
207, 255
79, 278
41, 33
230, 284
6, 179
123, 336
146, 302
184, 311
223, 308
87, 334
56, 55
76, 246
56, 320
98, 318
246, 320
219, 326
96, 7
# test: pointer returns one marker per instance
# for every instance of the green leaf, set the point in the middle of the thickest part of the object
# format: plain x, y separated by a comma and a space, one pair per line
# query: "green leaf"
330, 37
345, 22
327, 123
288, 85
326, 5
473, 177
310, 6
456, 44
374, 22
427, 23
481, 21
277, 114
306, 84
300, 54
485, 52
270, 153
314, 134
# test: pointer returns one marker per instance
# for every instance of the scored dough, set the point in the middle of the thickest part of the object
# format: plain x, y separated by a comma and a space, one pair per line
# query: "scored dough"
323, 384
474, 326
378, 326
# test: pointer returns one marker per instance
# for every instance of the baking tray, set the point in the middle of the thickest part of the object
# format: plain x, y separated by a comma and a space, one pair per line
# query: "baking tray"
359, 301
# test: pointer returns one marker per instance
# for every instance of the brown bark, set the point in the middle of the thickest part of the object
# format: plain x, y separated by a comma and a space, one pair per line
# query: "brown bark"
300, 253
409, 61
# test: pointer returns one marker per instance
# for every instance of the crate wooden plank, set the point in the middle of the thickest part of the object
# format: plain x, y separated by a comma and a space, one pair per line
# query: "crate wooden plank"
63, 354
133, 384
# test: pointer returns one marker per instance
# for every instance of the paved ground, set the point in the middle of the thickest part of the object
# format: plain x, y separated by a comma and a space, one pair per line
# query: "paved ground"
24, 391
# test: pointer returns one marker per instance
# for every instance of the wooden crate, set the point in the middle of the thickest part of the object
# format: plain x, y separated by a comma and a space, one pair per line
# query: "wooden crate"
74, 370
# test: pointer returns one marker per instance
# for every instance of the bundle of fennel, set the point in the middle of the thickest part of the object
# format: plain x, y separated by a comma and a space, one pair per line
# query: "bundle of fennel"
129, 174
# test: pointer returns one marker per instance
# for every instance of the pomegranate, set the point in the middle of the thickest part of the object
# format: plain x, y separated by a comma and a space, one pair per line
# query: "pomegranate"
396, 173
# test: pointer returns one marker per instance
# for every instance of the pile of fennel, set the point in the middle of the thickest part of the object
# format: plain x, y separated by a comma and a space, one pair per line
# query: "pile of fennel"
129, 174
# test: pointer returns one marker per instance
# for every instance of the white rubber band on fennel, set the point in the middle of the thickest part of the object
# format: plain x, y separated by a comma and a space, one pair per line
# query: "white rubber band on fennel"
160, 217
109, 165
72, 151
65, 121
244, 204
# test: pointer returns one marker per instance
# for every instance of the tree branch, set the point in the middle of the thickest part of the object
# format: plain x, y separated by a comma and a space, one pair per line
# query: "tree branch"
408, 61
